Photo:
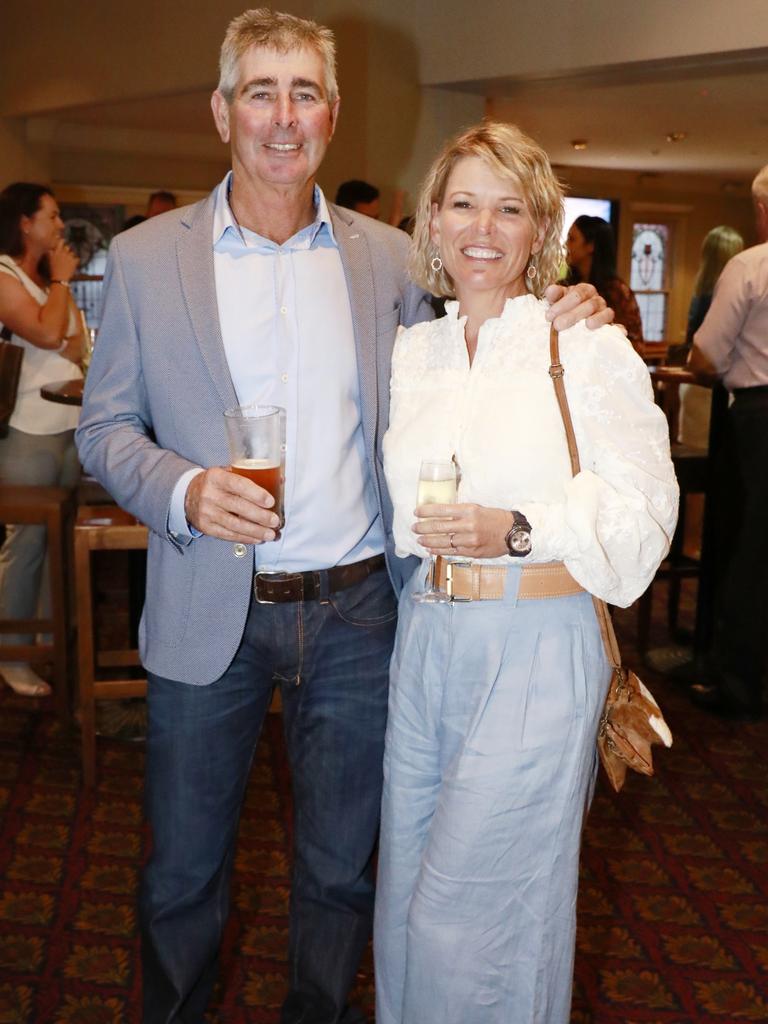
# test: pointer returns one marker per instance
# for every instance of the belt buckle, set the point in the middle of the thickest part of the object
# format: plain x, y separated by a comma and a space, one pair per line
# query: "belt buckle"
269, 572
449, 567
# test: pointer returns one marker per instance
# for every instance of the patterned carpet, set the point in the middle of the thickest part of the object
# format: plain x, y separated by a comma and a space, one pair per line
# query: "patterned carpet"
673, 923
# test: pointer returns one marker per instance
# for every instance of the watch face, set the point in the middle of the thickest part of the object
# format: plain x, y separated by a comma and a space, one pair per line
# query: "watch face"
520, 541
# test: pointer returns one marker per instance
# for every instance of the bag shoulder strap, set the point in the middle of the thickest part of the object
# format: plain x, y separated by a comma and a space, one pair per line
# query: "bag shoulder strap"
557, 373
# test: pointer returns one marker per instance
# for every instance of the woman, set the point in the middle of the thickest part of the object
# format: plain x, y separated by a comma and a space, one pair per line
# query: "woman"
591, 254
494, 704
37, 309
719, 246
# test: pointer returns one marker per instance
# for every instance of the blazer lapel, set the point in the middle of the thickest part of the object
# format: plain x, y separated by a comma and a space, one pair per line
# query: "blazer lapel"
195, 255
356, 261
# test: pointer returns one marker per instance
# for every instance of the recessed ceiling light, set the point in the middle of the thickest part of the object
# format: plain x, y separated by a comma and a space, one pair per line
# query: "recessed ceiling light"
676, 136
579, 143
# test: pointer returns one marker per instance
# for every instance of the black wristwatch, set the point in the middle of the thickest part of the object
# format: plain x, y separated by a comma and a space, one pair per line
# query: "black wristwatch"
518, 539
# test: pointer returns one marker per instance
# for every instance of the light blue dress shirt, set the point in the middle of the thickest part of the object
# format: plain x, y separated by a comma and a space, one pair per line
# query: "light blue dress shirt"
286, 325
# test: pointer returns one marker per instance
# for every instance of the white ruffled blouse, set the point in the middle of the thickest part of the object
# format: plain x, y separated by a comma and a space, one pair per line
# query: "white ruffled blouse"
612, 523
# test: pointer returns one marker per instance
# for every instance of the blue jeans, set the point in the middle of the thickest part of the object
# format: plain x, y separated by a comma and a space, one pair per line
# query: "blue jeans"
36, 460
330, 658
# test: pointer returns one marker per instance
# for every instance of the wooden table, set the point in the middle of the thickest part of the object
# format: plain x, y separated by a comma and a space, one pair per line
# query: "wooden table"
64, 392
705, 599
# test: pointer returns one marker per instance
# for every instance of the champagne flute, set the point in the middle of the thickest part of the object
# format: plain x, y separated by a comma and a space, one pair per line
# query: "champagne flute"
437, 486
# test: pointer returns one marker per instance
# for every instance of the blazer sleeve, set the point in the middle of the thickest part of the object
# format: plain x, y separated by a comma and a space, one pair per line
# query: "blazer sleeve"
115, 437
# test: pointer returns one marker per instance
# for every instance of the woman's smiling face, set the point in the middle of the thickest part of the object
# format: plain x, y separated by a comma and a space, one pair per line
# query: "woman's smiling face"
484, 231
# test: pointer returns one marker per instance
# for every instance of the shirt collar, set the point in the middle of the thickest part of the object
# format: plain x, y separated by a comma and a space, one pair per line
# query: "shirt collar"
224, 222
520, 304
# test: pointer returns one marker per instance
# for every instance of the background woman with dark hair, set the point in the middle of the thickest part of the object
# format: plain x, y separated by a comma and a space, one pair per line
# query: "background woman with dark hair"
592, 257
37, 310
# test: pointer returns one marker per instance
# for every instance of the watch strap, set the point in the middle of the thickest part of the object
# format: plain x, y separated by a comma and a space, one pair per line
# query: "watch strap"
519, 521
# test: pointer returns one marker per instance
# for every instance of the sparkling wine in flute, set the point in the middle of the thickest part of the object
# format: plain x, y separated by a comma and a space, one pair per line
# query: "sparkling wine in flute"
437, 486
437, 492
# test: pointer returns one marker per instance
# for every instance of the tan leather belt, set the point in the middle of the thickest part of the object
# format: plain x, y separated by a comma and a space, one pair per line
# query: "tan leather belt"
476, 581
276, 587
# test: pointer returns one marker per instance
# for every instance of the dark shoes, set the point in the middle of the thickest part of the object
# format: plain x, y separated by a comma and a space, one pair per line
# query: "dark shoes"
720, 702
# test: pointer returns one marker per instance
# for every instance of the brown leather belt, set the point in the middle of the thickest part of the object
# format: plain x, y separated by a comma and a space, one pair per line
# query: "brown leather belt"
277, 587
476, 581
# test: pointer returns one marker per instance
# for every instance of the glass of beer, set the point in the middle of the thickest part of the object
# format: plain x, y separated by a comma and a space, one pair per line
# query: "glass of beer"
256, 443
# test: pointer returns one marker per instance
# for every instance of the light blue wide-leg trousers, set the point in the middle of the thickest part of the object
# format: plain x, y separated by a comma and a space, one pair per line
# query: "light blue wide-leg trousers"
489, 770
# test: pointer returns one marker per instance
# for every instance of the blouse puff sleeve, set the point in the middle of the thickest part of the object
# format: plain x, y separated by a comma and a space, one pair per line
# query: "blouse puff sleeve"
616, 523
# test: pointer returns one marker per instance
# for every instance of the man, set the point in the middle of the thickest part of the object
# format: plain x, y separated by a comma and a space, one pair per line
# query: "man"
259, 293
359, 196
732, 343
160, 202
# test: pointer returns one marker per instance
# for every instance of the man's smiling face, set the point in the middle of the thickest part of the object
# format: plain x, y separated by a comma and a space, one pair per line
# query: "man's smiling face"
279, 123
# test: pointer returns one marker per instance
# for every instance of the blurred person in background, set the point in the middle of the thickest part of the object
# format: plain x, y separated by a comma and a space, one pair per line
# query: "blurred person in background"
591, 254
160, 202
732, 344
364, 198
720, 244
37, 313
359, 196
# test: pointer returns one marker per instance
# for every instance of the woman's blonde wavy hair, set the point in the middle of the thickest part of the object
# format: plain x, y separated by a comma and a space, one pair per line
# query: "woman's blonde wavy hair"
509, 153
718, 247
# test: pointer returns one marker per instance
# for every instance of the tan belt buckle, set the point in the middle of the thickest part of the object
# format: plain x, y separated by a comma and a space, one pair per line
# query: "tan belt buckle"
449, 568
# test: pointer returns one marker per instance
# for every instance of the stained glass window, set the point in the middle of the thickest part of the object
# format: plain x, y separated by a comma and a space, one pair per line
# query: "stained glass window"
649, 278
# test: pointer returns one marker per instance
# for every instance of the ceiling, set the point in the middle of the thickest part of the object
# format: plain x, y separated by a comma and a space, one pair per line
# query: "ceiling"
186, 113
623, 113
626, 118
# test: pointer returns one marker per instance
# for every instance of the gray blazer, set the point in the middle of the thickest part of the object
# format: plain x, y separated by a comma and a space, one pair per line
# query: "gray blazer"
156, 389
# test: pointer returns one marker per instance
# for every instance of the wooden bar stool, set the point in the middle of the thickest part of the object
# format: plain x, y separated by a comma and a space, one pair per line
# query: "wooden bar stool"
50, 507
100, 528
692, 469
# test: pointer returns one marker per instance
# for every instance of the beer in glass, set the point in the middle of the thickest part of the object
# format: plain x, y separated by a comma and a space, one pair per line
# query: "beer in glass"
255, 434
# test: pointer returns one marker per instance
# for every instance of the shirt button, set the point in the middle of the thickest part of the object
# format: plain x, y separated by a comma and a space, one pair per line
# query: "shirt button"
284, 378
239, 550
283, 310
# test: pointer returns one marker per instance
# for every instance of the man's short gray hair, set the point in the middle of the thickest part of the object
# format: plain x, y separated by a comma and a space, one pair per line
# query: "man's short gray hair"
760, 185
275, 30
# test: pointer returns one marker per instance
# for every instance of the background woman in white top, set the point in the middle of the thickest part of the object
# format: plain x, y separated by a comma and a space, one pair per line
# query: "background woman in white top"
494, 704
36, 306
